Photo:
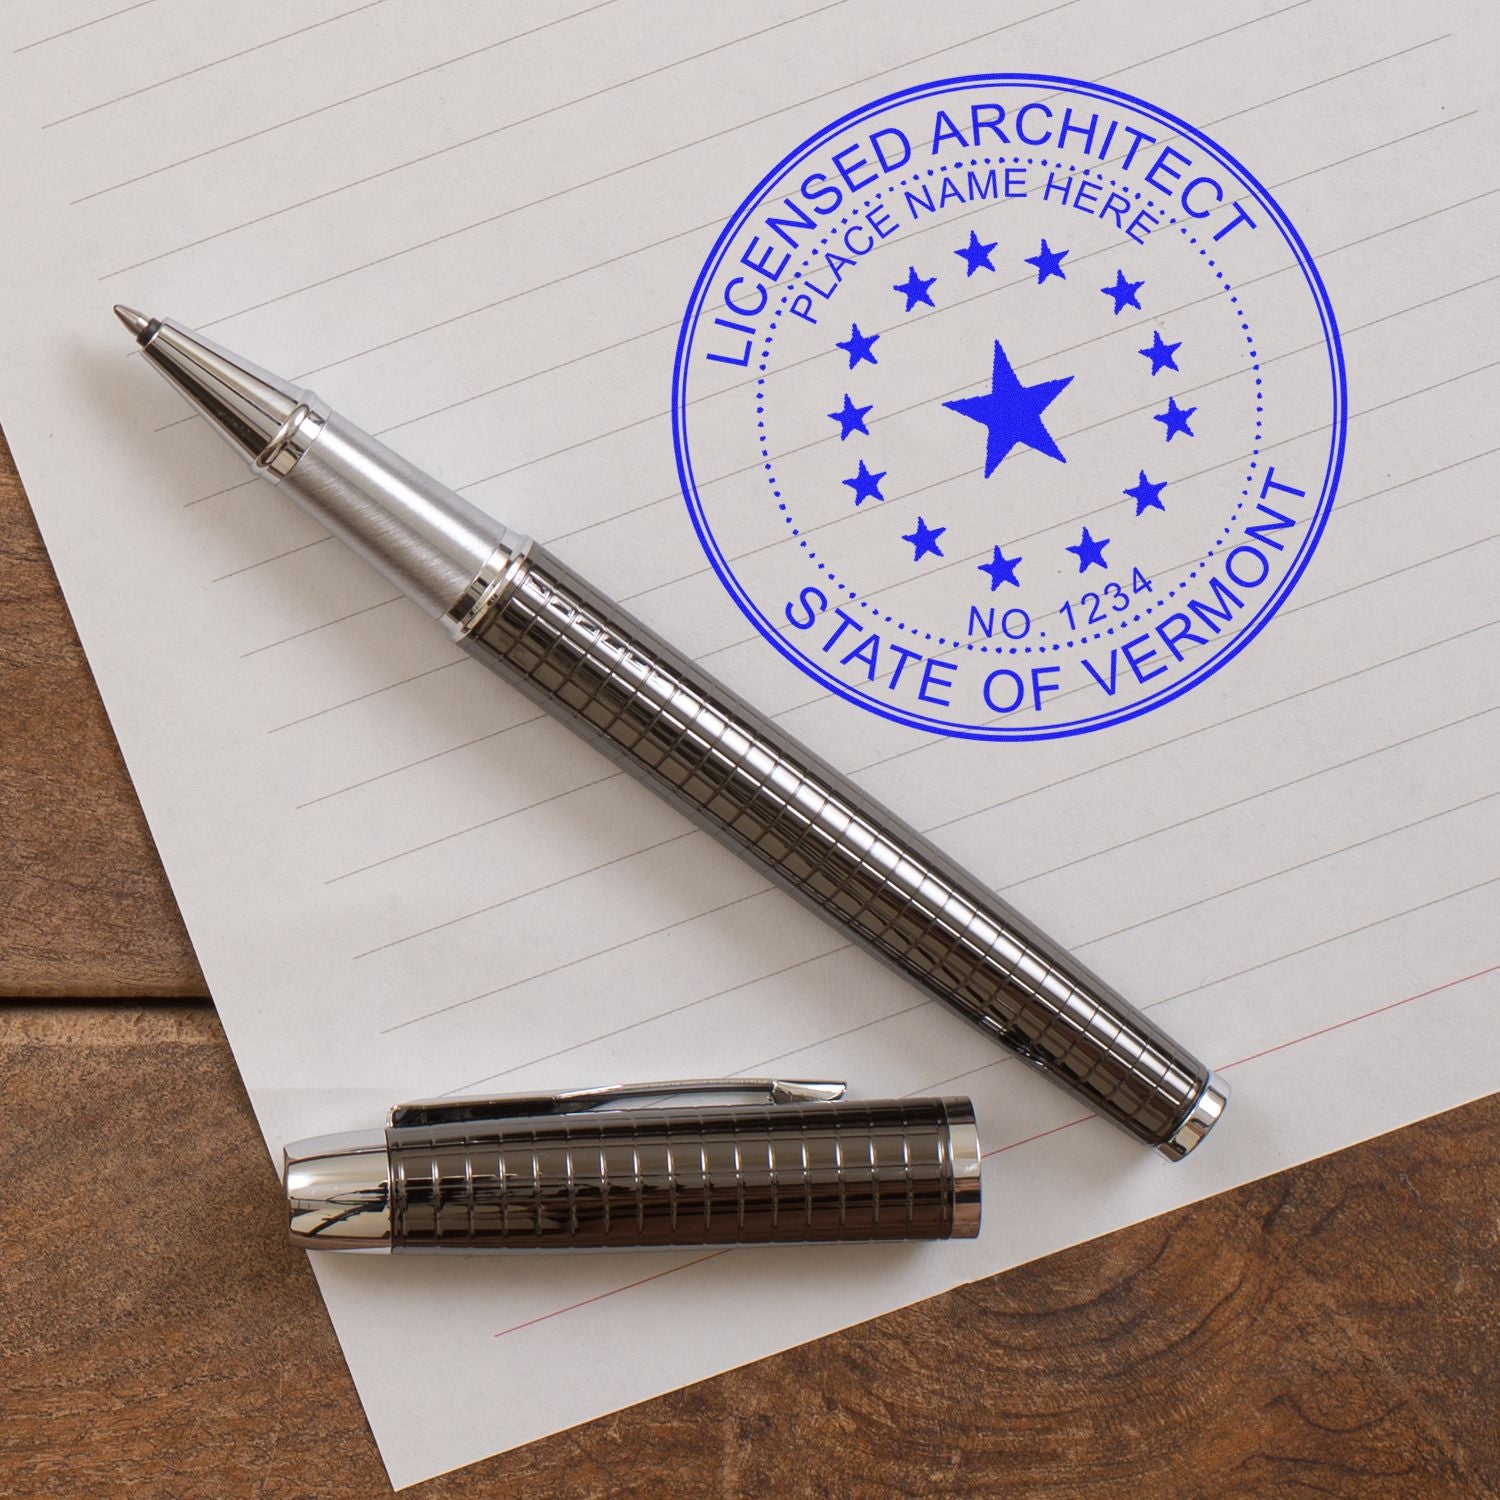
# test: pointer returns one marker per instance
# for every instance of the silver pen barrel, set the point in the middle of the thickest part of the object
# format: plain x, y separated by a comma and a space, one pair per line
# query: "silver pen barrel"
810, 830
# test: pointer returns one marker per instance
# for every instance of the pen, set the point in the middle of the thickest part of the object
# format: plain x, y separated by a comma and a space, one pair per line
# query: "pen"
531, 620
584, 1171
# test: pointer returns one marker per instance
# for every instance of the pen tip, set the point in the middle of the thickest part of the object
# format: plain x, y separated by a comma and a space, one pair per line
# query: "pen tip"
138, 323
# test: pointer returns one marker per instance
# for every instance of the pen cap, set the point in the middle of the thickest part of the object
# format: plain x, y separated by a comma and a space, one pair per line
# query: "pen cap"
720, 1175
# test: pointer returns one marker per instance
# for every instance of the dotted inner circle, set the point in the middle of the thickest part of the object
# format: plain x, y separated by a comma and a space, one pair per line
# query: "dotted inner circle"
1076, 639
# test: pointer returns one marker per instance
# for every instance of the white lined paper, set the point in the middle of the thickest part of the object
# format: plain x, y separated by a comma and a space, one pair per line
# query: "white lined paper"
475, 228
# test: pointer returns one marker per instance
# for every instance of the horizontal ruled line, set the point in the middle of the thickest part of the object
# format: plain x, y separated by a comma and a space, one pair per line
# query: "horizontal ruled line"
322, 625
422, 760
217, 62
56, 36
1317, 859
373, 693
1280, 786
599, 953
323, 109
535, 890
514, 812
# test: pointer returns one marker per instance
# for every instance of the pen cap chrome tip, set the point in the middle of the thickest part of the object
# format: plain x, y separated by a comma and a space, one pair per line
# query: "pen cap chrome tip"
1206, 1112
338, 1192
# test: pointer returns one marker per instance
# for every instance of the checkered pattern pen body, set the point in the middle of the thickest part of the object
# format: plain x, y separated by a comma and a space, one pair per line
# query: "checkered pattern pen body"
817, 836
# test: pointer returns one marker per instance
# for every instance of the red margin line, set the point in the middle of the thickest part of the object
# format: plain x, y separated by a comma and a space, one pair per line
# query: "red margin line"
613, 1291
1379, 1010
1026, 1141
1040, 1135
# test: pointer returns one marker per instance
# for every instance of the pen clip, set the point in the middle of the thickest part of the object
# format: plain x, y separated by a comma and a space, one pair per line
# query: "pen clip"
472, 1109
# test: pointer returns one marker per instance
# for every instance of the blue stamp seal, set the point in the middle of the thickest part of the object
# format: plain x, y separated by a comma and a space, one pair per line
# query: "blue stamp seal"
1009, 406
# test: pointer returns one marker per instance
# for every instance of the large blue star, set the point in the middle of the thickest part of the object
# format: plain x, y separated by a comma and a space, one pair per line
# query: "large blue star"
1175, 418
1161, 354
1146, 494
1123, 293
915, 288
1002, 569
858, 346
976, 254
924, 540
851, 418
1090, 552
866, 486
1048, 262
1012, 413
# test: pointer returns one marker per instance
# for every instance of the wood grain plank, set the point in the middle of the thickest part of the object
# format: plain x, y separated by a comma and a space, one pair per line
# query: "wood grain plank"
1326, 1331
85, 908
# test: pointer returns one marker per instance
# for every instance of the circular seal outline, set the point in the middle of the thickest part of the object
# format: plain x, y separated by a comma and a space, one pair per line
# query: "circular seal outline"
1316, 525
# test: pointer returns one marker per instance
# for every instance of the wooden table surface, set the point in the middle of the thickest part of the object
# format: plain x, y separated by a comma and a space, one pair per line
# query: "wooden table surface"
1330, 1330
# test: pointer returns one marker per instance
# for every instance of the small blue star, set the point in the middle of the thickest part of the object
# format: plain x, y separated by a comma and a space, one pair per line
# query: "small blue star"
1002, 569
1124, 293
865, 484
976, 254
915, 289
1161, 353
851, 418
924, 540
858, 346
1146, 494
1048, 262
1090, 553
1175, 418
1011, 413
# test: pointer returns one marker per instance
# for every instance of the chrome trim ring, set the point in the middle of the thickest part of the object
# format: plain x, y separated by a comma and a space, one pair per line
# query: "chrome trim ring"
1200, 1119
968, 1166
501, 572
289, 442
